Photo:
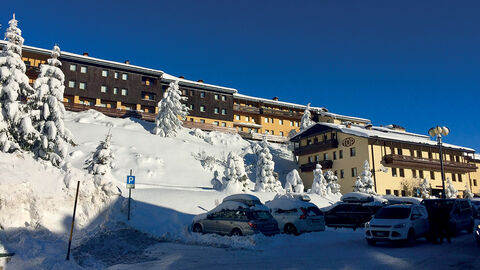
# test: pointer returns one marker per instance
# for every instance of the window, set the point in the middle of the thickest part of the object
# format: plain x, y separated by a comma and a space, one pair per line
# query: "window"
430, 156
71, 84
83, 69
224, 124
271, 120
266, 120
334, 155
281, 133
325, 156
453, 177
340, 154
202, 94
432, 175
216, 96
237, 117
475, 182
310, 160
215, 110
124, 92
215, 123
115, 90
191, 93
342, 173
335, 172
419, 153
296, 124
394, 172
395, 192
414, 173
353, 152
403, 193
103, 89
291, 123
73, 67
104, 73
224, 111
402, 172
388, 191
280, 121
115, 75
459, 178
124, 76
224, 98
191, 106
247, 118
273, 132
400, 152
202, 108
82, 85
354, 172
420, 173
202, 120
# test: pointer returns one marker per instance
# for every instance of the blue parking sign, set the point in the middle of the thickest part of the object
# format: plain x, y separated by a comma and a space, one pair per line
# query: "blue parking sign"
130, 181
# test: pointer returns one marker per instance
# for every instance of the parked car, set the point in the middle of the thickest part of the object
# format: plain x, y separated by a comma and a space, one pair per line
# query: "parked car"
295, 214
399, 222
459, 210
236, 217
475, 207
351, 215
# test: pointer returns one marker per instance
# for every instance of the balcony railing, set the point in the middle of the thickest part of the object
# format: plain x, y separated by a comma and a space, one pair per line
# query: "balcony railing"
315, 147
259, 137
246, 109
427, 164
209, 127
277, 112
308, 167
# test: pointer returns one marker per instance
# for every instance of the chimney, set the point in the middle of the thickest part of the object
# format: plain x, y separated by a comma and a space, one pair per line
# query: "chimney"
127, 62
275, 98
348, 124
200, 81
181, 77
369, 126
85, 54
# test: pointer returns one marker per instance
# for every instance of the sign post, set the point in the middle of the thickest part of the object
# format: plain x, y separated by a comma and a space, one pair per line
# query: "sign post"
73, 222
130, 185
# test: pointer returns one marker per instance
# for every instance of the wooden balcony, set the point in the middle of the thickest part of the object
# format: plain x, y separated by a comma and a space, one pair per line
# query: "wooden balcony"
427, 164
308, 167
277, 112
246, 109
315, 147
259, 137
208, 127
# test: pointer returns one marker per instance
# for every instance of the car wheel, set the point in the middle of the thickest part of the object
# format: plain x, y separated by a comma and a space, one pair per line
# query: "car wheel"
290, 229
411, 237
371, 242
197, 228
236, 232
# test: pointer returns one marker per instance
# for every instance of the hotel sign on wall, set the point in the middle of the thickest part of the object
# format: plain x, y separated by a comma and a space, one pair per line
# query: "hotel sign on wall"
347, 142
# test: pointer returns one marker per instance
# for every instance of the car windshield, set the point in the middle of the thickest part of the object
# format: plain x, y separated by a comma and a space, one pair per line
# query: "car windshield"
393, 213
476, 203
443, 204
314, 211
260, 215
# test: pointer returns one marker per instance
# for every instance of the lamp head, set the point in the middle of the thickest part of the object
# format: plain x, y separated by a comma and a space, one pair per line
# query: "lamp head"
445, 131
432, 132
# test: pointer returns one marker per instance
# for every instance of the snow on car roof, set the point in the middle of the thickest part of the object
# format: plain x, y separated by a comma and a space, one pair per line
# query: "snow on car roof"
395, 199
361, 197
243, 197
288, 203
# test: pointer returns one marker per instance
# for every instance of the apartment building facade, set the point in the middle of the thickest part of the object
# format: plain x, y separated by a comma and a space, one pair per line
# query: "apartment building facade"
398, 159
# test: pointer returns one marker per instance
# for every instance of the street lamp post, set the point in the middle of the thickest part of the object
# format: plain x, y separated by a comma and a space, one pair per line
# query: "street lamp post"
439, 132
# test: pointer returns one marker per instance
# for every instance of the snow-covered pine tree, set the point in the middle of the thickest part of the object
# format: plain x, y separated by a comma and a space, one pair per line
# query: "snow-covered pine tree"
425, 189
236, 179
16, 129
265, 178
102, 160
333, 187
450, 191
306, 121
170, 111
366, 176
294, 183
48, 102
359, 186
319, 185
468, 194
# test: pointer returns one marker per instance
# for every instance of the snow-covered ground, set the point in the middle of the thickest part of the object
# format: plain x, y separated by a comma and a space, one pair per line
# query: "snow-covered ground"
173, 182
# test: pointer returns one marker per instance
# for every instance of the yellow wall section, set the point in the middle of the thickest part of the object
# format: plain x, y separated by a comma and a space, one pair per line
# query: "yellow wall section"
209, 121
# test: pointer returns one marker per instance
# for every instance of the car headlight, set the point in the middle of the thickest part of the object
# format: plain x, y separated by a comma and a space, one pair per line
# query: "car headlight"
398, 226
367, 225
478, 226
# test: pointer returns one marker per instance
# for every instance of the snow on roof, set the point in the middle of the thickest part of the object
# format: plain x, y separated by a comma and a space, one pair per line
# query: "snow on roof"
382, 133
242, 197
69, 55
229, 90
319, 110
287, 203
361, 197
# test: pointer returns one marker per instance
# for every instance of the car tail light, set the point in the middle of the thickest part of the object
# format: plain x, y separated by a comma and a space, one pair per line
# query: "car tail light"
252, 225
304, 215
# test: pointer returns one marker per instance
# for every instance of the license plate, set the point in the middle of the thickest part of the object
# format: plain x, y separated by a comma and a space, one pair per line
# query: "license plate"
381, 233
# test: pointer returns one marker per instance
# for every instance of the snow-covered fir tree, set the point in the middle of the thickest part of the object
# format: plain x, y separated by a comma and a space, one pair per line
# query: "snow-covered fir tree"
425, 189
333, 187
265, 178
170, 111
16, 130
450, 191
236, 179
468, 194
48, 102
319, 185
294, 183
366, 177
102, 160
359, 186
306, 121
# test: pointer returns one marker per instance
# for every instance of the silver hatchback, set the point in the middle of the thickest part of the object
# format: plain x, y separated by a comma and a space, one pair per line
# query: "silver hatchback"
236, 218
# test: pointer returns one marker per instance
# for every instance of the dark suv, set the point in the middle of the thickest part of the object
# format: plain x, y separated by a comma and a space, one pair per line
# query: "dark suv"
459, 210
351, 215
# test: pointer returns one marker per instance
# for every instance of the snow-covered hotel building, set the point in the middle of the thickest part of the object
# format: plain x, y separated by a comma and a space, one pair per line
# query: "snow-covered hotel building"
398, 159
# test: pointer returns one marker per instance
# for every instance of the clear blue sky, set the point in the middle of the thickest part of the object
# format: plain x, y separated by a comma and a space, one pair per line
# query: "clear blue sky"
411, 63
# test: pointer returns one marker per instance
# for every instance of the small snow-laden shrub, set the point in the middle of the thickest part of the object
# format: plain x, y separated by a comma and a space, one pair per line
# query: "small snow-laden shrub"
319, 185
102, 160
236, 179
294, 183
333, 187
306, 120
